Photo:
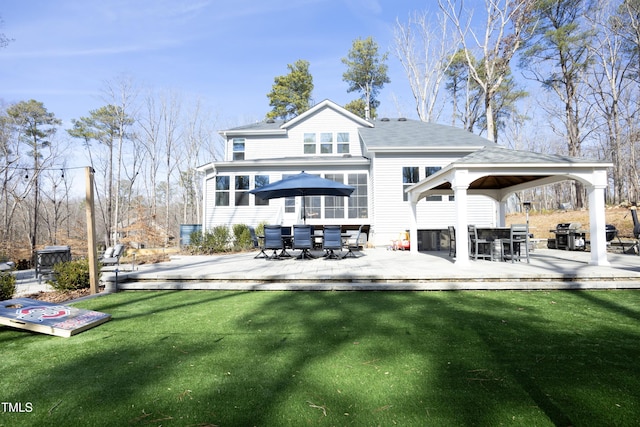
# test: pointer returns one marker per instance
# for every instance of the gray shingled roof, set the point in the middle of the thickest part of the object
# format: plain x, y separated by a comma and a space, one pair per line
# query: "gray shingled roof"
413, 133
258, 126
494, 154
395, 133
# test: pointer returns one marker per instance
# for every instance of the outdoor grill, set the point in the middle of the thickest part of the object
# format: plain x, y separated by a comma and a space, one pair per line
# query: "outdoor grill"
569, 236
611, 232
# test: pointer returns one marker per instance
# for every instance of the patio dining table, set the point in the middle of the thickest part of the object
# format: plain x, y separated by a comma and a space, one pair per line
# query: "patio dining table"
496, 235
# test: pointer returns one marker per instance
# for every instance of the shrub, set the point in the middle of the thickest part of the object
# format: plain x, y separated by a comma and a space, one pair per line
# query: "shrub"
7, 285
71, 275
213, 241
217, 240
260, 228
241, 237
195, 241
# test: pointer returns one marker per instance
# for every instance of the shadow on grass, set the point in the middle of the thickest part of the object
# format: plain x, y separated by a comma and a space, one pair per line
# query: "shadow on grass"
339, 358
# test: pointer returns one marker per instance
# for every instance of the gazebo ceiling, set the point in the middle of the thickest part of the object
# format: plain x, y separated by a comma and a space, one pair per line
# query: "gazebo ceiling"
496, 182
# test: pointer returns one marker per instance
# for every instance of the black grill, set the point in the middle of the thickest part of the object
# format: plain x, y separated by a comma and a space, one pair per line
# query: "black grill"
569, 236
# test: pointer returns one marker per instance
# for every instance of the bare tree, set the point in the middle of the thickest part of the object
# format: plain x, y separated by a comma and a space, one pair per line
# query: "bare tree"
505, 31
612, 90
425, 50
150, 139
122, 93
171, 105
196, 137
558, 55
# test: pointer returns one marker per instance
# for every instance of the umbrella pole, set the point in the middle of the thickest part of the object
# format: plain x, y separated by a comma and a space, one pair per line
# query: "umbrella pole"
304, 210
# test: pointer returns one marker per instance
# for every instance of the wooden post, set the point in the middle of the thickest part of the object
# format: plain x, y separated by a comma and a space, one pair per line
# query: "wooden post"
91, 233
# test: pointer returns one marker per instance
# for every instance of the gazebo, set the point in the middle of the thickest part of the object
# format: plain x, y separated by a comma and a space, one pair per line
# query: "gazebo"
498, 172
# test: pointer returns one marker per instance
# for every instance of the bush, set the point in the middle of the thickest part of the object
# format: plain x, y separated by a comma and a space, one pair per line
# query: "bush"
211, 242
260, 228
195, 241
241, 237
218, 240
71, 275
7, 285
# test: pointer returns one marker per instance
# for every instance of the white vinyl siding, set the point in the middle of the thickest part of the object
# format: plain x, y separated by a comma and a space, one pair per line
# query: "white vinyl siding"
392, 214
329, 133
292, 144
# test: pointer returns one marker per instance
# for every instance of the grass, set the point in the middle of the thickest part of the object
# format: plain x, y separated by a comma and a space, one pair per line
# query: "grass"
204, 358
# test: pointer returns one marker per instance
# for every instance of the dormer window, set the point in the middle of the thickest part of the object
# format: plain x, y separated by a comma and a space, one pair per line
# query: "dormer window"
238, 148
328, 142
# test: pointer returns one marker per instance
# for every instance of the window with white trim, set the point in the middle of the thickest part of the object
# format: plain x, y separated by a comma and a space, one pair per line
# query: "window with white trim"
222, 190
242, 190
334, 205
309, 143
410, 176
428, 171
343, 142
326, 143
261, 181
359, 199
238, 148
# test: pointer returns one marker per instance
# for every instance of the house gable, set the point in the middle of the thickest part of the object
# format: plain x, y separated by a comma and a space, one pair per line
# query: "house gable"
324, 130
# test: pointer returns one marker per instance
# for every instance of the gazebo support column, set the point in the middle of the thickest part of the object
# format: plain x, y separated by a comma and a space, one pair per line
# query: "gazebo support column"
460, 185
502, 213
413, 230
597, 225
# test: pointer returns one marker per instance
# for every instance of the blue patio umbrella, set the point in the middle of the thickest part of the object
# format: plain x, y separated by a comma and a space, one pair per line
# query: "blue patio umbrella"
303, 184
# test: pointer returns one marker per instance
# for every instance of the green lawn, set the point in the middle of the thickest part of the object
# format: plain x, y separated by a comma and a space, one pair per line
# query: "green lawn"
204, 358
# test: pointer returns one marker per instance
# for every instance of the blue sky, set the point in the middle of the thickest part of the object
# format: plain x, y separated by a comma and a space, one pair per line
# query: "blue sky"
225, 52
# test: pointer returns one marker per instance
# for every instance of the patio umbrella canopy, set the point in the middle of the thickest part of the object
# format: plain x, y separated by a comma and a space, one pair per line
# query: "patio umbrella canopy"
303, 184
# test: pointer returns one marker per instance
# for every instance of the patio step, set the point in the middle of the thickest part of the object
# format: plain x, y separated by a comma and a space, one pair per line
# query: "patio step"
376, 285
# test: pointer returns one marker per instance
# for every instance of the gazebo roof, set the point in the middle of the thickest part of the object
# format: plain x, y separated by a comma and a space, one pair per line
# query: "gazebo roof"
496, 154
498, 171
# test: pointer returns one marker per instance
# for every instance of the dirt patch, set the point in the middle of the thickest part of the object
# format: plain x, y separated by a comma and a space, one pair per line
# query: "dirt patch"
58, 296
542, 222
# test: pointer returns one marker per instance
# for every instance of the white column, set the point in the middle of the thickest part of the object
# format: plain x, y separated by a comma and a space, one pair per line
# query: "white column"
502, 213
413, 226
460, 185
597, 225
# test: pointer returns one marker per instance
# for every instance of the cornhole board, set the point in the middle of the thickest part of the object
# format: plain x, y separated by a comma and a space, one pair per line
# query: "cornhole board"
48, 318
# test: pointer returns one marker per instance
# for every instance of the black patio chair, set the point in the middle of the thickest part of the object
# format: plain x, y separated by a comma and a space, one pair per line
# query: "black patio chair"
353, 245
273, 240
256, 243
332, 241
302, 240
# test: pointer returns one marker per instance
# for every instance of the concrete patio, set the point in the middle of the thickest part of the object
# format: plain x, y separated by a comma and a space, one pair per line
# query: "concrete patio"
374, 269
380, 269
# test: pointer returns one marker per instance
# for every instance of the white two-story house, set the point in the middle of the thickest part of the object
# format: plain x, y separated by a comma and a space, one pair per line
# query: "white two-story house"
380, 158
